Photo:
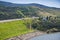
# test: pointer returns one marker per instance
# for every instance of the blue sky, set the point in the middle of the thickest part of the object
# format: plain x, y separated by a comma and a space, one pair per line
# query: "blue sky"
51, 3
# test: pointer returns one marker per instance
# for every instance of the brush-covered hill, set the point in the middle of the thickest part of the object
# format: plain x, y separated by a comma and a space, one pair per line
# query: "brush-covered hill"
11, 10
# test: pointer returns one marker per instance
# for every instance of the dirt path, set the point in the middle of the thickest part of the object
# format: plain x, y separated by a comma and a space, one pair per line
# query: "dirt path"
27, 36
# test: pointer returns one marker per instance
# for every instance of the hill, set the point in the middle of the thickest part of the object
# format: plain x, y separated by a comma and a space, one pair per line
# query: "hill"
12, 11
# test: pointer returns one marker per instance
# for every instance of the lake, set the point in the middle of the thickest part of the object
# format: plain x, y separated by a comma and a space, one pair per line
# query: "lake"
54, 36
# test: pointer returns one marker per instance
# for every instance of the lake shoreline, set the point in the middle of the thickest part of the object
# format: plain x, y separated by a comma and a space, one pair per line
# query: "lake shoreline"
27, 36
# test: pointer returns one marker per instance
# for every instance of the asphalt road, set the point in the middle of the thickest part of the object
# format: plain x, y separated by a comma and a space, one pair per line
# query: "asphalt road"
17, 19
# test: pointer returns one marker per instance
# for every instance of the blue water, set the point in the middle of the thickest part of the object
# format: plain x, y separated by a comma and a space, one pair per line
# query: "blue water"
54, 36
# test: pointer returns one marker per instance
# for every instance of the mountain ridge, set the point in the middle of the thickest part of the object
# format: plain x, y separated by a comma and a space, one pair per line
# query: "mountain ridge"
29, 4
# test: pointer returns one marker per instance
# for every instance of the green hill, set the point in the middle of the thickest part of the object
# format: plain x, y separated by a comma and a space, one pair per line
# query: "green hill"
26, 11
12, 11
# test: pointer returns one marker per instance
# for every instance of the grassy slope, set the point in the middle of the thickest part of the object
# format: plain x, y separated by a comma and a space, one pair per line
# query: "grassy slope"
14, 28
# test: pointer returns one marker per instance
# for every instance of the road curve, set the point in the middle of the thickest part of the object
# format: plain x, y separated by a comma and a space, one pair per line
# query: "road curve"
17, 19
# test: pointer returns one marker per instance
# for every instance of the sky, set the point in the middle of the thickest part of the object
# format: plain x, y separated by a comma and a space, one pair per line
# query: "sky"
51, 3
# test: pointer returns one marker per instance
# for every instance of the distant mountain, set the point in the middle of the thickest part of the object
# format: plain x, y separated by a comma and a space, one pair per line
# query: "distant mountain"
5, 3
16, 5
10, 10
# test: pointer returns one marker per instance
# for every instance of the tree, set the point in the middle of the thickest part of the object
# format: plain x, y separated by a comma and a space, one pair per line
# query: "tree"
28, 22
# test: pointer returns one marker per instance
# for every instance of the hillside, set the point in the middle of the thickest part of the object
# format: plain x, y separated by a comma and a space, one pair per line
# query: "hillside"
12, 11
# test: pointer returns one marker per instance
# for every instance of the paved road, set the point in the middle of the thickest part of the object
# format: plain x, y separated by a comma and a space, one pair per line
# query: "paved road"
17, 19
